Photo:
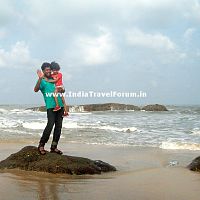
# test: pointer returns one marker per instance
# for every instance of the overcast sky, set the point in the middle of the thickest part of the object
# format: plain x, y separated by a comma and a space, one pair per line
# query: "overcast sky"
102, 45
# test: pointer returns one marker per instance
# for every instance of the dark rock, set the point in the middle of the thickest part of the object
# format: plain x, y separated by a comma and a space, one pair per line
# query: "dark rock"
29, 159
106, 107
94, 107
109, 106
155, 107
105, 167
195, 164
39, 108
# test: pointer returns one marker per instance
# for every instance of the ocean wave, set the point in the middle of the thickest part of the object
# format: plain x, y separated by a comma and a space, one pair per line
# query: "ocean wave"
112, 128
195, 131
3, 111
180, 146
8, 123
100, 143
107, 144
23, 112
67, 125
93, 126
17, 110
34, 125
80, 113
70, 125
20, 111
108, 128
14, 131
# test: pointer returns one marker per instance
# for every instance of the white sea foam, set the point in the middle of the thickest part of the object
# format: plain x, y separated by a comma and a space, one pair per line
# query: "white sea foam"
130, 129
112, 128
17, 110
70, 125
41, 125
93, 126
196, 131
14, 131
80, 113
20, 111
100, 143
107, 144
26, 112
34, 125
179, 145
2, 111
8, 123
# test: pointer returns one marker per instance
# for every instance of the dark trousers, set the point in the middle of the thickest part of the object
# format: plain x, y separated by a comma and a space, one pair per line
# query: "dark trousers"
54, 118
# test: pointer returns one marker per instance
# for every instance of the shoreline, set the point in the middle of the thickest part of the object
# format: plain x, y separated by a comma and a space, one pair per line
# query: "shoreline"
108, 153
143, 173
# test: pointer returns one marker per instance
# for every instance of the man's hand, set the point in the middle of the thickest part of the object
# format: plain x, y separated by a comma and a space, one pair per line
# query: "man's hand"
65, 114
40, 74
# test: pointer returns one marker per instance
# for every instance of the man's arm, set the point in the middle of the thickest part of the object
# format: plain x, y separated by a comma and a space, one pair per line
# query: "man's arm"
37, 86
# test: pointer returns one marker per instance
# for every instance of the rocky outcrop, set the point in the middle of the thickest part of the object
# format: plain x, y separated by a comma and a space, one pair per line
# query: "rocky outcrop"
195, 164
39, 108
109, 106
94, 107
29, 159
154, 107
106, 107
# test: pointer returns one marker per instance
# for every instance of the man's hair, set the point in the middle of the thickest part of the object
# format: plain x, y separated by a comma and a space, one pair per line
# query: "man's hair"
45, 65
55, 66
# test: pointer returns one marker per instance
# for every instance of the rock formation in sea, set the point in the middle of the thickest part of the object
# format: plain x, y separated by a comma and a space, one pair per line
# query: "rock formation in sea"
106, 107
29, 159
155, 107
109, 106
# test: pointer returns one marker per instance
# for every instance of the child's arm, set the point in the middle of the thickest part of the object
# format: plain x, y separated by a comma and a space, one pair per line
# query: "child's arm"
52, 80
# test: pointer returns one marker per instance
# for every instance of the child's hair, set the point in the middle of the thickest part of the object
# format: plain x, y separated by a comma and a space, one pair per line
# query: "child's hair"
55, 66
45, 65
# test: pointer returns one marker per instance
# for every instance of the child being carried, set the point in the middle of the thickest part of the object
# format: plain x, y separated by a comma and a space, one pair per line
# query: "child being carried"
57, 79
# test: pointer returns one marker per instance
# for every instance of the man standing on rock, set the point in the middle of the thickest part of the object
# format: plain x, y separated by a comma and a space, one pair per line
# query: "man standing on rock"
54, 118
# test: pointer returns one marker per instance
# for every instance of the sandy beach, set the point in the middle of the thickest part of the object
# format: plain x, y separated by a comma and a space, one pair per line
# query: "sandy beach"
111, 81
143, 173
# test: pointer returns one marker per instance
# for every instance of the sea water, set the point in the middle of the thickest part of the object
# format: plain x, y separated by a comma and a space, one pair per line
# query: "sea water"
178, 128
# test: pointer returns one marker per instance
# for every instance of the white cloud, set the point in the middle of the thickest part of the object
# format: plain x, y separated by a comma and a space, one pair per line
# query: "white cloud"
193, 10
17, 57
66, 75
188, 33
198, 53
154, 83
2, 33
136, 37
7, 12
90, 50
154, 47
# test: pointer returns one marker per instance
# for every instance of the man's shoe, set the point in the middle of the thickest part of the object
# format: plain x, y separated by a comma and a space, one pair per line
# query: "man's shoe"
56, 151
41, 150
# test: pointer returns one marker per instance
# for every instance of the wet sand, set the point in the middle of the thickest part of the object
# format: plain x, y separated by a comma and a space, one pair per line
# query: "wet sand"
143, 173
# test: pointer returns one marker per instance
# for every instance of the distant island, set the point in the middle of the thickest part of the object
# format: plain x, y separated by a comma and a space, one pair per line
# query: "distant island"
107, 107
